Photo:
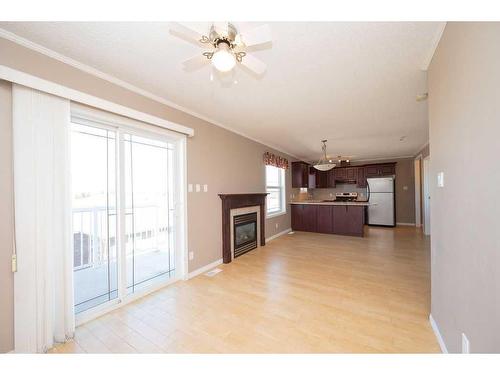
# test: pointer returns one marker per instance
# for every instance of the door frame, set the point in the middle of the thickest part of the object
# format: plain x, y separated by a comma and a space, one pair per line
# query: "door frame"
426, 206
417, 166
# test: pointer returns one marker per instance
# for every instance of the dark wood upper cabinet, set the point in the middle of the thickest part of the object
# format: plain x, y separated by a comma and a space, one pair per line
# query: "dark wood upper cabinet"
361, 181
331, 178
351, 174
312, 179
372, 171
340, 174
322, 179
300, 174
378, 170
306, 176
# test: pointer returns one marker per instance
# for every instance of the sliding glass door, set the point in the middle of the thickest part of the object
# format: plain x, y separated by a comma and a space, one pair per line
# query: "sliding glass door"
123, 185
93, 165
149, 209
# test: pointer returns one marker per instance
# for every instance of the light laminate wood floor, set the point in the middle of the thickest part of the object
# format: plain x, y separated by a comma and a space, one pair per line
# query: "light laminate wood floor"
302, 293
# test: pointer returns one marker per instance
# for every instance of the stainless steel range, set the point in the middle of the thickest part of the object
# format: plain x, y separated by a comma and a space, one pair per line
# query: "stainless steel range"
346, 197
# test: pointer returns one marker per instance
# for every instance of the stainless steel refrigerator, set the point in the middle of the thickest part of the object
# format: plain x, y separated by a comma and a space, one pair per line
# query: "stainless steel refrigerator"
381, 210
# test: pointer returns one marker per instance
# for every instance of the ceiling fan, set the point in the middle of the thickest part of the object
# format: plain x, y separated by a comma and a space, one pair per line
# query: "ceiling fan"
224, 46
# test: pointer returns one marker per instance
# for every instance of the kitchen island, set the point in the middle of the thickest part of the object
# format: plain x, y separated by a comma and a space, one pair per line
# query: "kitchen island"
345, 218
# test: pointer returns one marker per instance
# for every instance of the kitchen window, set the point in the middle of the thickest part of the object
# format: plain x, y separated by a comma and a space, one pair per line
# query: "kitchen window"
275, 187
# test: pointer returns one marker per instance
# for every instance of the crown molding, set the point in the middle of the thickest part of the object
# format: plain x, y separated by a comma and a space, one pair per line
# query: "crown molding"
128, 86
421, 147
432, 49
386, 158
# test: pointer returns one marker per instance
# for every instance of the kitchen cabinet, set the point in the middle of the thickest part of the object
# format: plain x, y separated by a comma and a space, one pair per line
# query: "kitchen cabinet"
297, 217
306, 176
331, 178
300, 174
343, 219
310, 220
379, 170
351, 174
348, 220
346, 174
340, 174
322, 179
324, 219
304, 217
361, 181
311, 181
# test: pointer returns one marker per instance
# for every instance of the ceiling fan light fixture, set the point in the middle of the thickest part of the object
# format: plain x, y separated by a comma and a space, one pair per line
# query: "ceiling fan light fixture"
223, 59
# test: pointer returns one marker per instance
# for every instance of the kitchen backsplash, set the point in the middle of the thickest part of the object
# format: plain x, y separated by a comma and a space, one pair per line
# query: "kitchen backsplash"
321, 194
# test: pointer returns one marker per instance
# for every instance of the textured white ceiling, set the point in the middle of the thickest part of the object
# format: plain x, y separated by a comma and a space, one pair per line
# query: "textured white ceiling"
351, 83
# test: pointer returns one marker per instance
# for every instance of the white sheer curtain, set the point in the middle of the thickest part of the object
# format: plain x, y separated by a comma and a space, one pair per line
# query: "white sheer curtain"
43, 285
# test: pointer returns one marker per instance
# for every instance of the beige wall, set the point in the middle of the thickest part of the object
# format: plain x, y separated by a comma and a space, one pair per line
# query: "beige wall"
6, 220
464, 114
224, 160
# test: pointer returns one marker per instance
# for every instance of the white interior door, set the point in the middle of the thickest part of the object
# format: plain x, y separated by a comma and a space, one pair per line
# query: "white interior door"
426, 197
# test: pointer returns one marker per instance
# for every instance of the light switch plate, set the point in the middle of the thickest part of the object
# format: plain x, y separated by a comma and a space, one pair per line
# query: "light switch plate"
190, 188
205, 188
198, 188
191, 255
440, 179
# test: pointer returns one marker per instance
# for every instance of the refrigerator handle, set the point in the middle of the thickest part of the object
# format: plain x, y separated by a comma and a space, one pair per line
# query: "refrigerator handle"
367, 192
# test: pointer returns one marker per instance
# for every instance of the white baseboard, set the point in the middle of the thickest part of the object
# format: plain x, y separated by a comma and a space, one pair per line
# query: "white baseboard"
204, 269
406, 224
278, 234
439, 338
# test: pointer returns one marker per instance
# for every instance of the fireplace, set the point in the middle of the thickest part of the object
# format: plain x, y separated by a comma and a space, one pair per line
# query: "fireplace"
245, 233
243, 223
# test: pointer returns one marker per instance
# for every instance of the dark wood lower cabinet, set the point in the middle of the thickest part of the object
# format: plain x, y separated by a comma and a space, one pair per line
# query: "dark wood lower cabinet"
325, 219
333, 219
348, 220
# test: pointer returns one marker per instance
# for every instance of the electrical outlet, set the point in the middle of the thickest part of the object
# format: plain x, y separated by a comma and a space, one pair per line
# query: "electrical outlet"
331, 195
205, 188
190, 188
277, 225
191, 255
465, 344
198, 188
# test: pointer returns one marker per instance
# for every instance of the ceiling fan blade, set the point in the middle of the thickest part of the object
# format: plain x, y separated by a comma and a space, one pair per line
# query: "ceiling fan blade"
258, 35
186, 33
254, 64
195, 62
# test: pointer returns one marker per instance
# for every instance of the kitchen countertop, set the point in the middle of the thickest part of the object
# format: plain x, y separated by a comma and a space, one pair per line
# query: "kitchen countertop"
323, 203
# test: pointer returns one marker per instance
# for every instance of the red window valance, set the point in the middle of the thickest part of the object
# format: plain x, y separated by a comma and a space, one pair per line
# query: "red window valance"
277, 161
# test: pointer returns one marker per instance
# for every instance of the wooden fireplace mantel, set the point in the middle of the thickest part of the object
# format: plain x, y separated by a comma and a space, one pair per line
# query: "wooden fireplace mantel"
232, 201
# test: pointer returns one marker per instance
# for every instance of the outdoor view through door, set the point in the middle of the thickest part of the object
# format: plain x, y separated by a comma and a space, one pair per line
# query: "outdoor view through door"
123, 213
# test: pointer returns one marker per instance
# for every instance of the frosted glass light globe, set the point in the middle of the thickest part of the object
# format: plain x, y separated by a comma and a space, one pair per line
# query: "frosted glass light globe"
223, 59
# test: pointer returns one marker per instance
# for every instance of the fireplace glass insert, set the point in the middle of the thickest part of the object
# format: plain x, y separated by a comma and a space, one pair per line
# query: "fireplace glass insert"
245, 233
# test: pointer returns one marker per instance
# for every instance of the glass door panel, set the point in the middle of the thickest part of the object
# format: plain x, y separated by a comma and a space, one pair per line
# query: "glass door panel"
93, 170
149, 211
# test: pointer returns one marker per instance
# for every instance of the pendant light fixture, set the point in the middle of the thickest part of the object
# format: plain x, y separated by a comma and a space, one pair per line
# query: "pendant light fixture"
324, 164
